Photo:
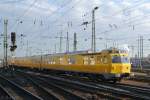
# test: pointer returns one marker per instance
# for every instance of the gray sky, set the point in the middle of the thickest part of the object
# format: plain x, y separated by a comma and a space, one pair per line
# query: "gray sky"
118, 22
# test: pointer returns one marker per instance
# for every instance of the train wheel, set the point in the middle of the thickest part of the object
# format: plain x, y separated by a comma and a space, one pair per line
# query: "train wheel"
119, 80
114, 81
102, 78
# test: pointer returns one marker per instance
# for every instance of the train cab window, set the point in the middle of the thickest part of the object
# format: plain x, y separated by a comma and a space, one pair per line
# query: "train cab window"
120, 59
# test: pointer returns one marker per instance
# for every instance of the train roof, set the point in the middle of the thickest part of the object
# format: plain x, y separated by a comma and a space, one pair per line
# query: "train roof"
70, 53
86, 52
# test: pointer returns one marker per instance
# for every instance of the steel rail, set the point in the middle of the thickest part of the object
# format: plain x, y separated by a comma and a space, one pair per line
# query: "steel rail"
141, 87
82, 86
141, 78
76, 87
4, 95
21, 92
42, 92
84, 89
69, 95
124, 92
139, 90
105, 88
142, 92
45, 94
65, 92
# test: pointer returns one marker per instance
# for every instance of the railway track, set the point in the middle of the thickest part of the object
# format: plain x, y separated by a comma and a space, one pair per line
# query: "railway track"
115, 92
46, 90
34, 87
118, 92
4, 95
15, 91
47, 87
134, 86
71, 93
141, 78
138, 91
56, 91
142, 71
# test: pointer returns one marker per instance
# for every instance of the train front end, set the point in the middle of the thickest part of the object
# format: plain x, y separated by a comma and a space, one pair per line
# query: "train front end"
120, 65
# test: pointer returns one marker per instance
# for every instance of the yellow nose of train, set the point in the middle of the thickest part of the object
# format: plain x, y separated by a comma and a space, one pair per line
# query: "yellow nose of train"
120, 68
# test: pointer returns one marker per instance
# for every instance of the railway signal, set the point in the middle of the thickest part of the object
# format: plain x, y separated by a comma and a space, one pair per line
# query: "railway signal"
13, 41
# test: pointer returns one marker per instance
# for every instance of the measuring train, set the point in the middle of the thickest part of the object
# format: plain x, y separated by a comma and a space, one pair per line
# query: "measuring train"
108, 65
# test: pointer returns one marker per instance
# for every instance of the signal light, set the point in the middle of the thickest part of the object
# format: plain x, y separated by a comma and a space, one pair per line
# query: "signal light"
13, 41
13, 38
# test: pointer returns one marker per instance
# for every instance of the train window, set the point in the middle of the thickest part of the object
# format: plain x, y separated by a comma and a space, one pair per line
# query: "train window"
92, 60
85, 60
54, 62
49, 61
71, 60
99, 59
105, 60
60, 60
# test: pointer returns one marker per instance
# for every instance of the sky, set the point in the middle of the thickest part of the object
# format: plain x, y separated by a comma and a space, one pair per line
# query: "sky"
39, 24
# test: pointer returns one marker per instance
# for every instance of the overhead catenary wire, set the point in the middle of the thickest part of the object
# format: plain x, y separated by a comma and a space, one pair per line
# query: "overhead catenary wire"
67, 11
32, 4
22, 15
61, 7
64, 5
57, 21
10, 1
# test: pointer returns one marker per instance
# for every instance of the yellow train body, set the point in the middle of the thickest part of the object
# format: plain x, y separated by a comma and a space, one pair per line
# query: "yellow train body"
107, 63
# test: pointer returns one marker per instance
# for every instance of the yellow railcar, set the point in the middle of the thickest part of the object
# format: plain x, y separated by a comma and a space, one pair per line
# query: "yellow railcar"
107, 65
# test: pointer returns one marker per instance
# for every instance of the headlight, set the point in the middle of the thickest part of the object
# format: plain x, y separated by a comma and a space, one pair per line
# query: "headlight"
132, 74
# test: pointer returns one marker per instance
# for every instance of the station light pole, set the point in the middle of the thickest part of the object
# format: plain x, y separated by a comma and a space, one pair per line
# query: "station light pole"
93, 47
5, 43
140, 51
75, 42
61, 37
41, 58
67, 42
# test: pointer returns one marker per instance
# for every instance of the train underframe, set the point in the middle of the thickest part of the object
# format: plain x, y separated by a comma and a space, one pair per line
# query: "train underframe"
106, 77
